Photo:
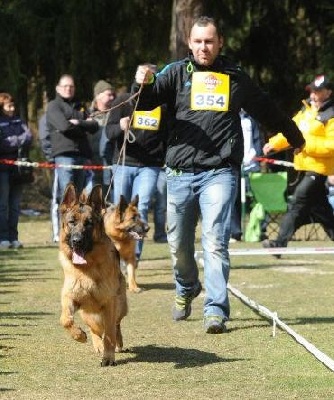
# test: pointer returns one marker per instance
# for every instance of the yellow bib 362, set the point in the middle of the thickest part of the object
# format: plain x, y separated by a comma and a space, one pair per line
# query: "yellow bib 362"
148, 120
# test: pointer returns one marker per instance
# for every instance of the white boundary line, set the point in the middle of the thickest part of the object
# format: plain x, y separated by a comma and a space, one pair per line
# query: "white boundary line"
275, 250
327, 361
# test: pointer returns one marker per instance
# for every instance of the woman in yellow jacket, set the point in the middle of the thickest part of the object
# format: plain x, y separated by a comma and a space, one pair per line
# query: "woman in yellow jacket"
315, 162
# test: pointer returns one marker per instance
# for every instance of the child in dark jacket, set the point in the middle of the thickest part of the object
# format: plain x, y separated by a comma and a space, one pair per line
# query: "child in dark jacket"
15, 137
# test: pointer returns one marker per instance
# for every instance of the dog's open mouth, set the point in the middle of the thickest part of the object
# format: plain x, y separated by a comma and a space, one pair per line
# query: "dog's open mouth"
136, 235
78, 257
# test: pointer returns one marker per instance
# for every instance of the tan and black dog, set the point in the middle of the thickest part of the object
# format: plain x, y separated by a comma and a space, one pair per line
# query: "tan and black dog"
93, 282
123, 226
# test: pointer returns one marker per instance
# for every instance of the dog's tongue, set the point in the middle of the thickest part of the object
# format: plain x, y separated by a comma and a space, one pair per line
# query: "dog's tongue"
77, 258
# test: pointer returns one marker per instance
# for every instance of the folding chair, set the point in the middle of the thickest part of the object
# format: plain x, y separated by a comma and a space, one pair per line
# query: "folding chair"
269, 189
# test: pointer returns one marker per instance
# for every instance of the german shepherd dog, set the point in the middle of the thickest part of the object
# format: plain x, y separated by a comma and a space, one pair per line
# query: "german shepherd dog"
93, 282
123, 226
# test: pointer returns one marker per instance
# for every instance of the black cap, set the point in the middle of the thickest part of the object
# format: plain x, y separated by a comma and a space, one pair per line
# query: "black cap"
319, 82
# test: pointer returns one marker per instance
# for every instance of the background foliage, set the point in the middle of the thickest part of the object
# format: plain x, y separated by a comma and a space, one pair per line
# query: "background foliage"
282, 44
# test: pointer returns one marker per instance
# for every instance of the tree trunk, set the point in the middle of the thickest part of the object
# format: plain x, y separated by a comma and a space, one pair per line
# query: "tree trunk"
184, 11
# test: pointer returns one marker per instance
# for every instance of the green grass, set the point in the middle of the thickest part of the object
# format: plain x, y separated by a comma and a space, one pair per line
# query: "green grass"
167, 360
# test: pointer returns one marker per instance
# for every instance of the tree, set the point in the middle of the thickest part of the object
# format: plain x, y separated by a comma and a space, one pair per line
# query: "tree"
282, 44
184, 11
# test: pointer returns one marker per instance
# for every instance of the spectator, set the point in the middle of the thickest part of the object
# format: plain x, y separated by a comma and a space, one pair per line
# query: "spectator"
159, 208
138, 171
15, 137
104, 95
314, 163
252, 147
204, 94
45, 141
68, 125
330, 186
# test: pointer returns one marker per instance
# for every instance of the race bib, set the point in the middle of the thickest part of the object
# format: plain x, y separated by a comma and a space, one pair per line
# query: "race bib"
148, 120
210, 91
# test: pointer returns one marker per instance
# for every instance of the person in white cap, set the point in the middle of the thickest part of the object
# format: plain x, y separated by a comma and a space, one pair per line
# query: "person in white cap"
314, 163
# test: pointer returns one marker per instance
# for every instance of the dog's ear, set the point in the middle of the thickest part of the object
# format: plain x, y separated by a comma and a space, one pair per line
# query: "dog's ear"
69, 197
135, 200
122, 205
83, 197
95, 199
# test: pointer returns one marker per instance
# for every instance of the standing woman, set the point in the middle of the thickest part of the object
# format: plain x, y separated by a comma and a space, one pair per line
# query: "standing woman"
14, 135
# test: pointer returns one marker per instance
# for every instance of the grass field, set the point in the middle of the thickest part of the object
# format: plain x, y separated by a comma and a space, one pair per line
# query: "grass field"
167, 360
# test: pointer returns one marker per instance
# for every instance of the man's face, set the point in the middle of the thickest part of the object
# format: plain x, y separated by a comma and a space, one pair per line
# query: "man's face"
66, 88
318, 97
205, 44
9, 109
105, 98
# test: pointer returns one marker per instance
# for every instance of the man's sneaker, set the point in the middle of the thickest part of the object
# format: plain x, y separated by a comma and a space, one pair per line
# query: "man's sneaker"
16, 244
4, 244
161, 239
214, 324
182, 305
270, 244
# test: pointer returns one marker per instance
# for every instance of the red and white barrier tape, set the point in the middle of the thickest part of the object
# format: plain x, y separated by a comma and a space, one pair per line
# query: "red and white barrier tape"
36, 164
275, 162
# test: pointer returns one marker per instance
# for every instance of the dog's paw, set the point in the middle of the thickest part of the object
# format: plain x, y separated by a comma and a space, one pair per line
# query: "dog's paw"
122, 350
79, 335
135, 289
106, 362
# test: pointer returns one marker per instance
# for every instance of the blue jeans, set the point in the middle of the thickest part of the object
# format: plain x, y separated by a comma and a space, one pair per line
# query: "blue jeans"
211, 195
130, 181
67, 175
10, 197
160, 206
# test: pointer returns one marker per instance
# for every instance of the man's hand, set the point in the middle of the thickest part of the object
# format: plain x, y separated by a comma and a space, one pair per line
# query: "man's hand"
298, 150
267, 148
124, 123
144, 74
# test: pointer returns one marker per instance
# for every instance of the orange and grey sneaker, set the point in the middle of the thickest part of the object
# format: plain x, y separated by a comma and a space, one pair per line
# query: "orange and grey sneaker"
182, 306
214, 324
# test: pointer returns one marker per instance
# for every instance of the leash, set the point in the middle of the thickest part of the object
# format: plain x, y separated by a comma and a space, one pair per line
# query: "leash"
96, 113
287, 164
128, 137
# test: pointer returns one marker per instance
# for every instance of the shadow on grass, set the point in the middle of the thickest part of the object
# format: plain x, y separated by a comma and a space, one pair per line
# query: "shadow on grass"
157, 285
248, 323
289, 321
3, 292
182, 358
266, 265
27, 315
6, 390
15, 274
309, 320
